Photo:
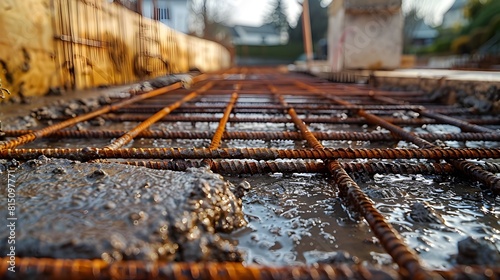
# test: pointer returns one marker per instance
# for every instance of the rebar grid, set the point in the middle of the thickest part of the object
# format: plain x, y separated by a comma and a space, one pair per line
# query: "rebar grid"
287, 101
404, 256
487, 178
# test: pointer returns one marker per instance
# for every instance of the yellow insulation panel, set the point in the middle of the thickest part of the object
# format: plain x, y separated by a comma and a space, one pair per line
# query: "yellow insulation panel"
77, 44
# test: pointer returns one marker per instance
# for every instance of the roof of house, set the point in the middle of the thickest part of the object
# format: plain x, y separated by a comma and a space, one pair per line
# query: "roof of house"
266, 29
424, 31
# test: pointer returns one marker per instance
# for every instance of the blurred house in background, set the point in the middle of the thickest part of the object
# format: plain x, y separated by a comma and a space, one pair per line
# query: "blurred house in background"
365, 34
265, 35
423, 35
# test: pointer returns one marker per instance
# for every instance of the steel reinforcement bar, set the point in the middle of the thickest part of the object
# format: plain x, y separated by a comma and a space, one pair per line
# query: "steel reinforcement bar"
98, 269
298, 107
485, 177
332, 120
390, 239
301, 166
130, 135
263, 135
437, 116
251, 153
27, 138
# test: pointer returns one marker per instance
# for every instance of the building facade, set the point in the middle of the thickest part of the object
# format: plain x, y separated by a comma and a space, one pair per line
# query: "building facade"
173, 13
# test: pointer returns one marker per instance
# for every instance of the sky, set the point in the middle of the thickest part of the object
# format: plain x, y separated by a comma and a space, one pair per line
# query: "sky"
253, 12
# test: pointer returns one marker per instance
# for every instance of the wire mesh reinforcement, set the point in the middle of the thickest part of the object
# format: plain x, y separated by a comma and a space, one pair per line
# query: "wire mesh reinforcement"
298, 105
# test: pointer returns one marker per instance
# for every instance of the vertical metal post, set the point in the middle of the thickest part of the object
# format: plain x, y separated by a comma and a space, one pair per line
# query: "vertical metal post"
306, 30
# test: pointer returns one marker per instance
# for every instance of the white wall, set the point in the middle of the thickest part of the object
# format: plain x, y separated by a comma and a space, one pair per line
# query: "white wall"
178, 11
336, 37
365, 41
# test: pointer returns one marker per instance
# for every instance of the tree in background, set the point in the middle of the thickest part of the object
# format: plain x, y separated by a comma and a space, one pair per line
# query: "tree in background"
277, 16
483, 26
415, 13
411, 23
207, 20
474, 8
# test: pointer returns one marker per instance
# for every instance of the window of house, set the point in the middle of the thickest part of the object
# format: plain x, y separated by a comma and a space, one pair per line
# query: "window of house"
162, 13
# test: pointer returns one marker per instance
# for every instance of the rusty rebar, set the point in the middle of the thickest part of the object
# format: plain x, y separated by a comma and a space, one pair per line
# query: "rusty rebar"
487, 178
456, 122
98, 269
304, 130
331, 120
252, 153
389, 238
434, 115
483, 176
375, 120
130, 135
263, 135
219, 132
300, 166
217, 137
24, 139
298, 107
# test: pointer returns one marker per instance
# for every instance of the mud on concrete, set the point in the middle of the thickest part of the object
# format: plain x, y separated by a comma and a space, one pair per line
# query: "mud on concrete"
68, 209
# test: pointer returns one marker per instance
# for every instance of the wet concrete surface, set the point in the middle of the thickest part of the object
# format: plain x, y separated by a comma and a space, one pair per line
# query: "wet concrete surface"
299, 218
116, 212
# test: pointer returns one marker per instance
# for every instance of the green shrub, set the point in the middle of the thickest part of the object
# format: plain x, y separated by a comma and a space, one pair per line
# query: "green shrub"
286, 52
484, 17
461, 45
476, 38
